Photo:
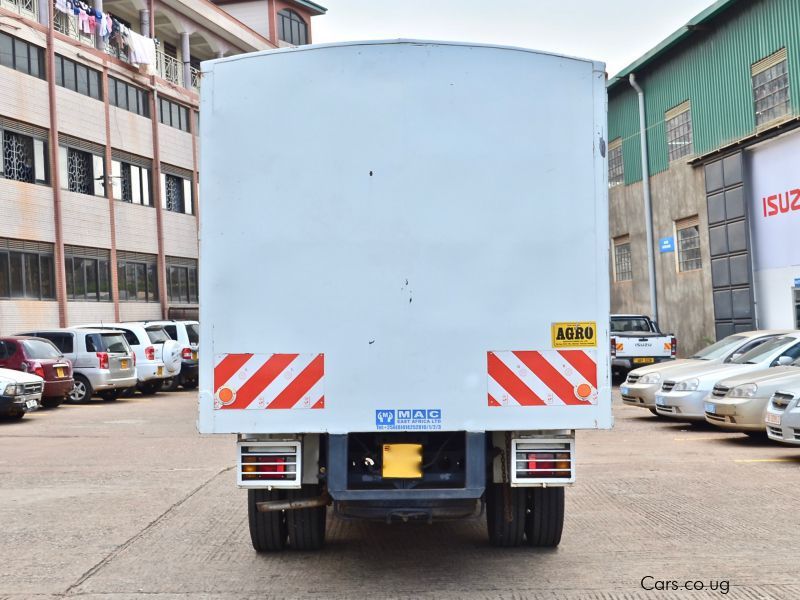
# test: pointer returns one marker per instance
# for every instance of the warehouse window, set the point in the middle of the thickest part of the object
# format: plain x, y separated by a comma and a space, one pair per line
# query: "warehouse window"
292, 28
173, 114
81, 171
78, 78
688, 235
127, 96
616, 171
623, 268
26, 270
88, 273
679, 131
22, 56
130, 183
137, 278
771, 87
24, 156
176, 193
182, 281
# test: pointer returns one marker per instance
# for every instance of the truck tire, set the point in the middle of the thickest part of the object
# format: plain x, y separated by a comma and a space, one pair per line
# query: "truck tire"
505, 532
545, 519
306, 525
267, 529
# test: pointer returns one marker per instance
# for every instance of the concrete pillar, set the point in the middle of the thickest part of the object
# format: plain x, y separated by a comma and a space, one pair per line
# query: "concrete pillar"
220, 53
144, 22
99, 42
187, 58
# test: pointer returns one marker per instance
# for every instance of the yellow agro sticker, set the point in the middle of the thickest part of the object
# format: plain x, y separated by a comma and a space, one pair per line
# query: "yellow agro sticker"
574, 335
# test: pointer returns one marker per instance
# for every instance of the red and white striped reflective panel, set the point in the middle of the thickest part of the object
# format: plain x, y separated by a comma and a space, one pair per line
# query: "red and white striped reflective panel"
268, 381
543, 378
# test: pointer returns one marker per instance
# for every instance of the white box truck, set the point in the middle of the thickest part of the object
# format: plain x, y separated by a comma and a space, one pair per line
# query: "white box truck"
404, 282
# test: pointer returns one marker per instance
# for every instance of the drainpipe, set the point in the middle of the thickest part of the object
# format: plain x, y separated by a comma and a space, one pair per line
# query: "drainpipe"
648, 210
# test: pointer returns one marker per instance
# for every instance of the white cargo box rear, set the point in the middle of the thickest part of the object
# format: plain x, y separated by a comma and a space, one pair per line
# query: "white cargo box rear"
389, 231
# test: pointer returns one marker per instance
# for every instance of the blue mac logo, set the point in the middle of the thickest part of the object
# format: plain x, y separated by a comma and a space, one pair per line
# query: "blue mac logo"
384, 418
408, 418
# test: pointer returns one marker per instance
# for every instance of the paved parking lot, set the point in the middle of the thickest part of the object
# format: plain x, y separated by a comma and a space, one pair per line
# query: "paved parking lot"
124, 500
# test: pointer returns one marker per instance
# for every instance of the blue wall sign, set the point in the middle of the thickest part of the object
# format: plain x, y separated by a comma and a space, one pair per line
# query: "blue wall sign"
666, 244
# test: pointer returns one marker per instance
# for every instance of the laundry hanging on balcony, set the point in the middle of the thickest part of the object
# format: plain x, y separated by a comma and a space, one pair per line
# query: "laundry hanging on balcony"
143, 50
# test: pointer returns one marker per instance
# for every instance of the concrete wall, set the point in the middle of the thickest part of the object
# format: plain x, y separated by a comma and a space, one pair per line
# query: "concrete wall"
684, 299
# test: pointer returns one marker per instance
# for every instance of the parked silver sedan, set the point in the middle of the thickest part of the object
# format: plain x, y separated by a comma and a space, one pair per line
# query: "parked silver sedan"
782, 418
642, 384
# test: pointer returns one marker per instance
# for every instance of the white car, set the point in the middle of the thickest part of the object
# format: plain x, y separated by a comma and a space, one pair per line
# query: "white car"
683, 396
641, 385
20, 392
187, 334
782, 418
157, 356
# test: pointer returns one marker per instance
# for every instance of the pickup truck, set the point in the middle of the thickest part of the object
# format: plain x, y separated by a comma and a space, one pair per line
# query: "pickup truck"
636, 340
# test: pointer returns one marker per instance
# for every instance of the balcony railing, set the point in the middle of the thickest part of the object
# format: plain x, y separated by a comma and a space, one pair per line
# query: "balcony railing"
195, 78
68, 25
26, 8
169, 68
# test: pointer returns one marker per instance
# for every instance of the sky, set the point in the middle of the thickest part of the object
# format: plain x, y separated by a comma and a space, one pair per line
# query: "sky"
614, 31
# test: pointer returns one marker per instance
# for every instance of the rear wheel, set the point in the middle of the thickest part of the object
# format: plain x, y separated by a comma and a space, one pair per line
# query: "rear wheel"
171, 384
52, 402
150, 387
306, 526
267, 529
109, 395
505, 514
545, 519
191, 384
81, 389
17, 416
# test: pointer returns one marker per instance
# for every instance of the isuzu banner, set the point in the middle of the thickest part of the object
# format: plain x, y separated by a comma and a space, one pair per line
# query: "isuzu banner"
775, 203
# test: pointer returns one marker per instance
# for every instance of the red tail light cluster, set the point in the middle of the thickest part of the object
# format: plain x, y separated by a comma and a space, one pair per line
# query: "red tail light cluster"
613, 347
102, 358
264, 467
186, 353
34, 368
540, 464
150, 353
133, 355
674, 350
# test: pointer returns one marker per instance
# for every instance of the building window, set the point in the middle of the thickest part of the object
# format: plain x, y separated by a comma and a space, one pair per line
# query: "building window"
176, 193
130, 183
173, 114
616, 171
679, 131
24, 157
182, 281
78, 78
88, 272
22, 56
81, 171
623, 268
127, 96
26, 270
138, 281
771, 87
292, 28
688, 235
796, 292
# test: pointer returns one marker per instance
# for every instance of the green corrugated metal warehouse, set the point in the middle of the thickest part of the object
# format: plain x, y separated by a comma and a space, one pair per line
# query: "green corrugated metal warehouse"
721, 100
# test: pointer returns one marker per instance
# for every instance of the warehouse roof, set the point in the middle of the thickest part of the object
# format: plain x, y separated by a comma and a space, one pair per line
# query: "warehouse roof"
694, 25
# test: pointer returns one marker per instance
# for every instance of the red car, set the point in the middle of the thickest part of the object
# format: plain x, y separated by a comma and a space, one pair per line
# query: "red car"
42, 358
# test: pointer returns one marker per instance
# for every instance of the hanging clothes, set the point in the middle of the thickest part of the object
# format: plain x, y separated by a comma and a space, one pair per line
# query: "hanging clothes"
143, 49
83, 21
61, 5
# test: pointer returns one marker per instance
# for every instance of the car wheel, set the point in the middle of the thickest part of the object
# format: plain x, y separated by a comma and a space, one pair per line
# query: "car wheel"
150, 387
128, 392
52, 402
81, 389
170, 385
13, 416
190, 384
654, 411
109, 395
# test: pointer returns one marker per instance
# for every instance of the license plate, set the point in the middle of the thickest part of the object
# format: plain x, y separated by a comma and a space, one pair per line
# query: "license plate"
773, 419
160, 371
644, 360
123, 363
709, 408
661, 401
402, 461
59, 371
31, 404
624, 390
194, 355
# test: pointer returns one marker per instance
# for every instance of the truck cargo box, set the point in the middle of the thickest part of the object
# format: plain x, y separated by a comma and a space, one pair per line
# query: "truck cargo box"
403, 236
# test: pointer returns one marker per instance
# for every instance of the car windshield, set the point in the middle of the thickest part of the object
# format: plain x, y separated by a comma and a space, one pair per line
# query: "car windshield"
764, 351
106, 342
721, 348
157, 335
630, 324
193, 331
40, 349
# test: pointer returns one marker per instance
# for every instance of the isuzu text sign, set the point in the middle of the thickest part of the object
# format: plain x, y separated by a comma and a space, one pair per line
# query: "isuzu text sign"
775, 203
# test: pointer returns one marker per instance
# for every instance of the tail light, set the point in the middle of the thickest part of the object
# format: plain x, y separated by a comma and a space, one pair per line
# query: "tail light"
543, 460
268, 464
263, 467
134, 358
34, 368
102, 357
150, 353
613, 347
186, 353
674, 349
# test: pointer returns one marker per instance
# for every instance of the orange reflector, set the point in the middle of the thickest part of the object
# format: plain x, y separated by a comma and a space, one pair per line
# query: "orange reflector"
225, 395
583, 390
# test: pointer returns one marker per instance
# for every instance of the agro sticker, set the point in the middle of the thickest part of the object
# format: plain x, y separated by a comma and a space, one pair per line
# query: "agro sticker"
574, 335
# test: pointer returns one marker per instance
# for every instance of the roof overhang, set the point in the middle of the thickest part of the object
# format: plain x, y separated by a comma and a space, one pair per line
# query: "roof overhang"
312, 7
